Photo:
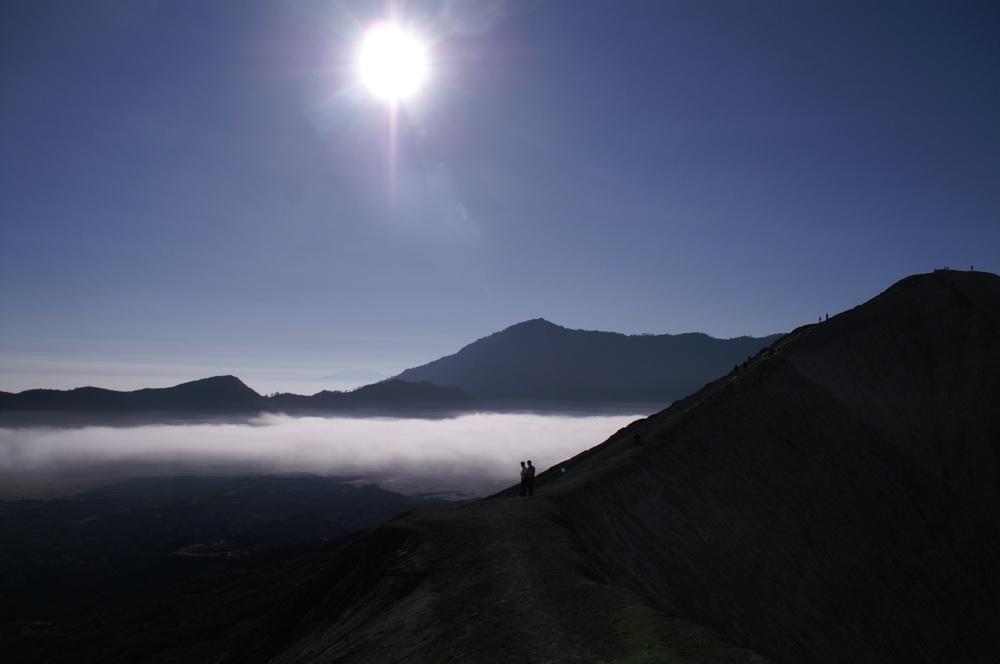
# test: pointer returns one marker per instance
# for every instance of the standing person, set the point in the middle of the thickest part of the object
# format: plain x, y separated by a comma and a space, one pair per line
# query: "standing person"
530, 478
524, 480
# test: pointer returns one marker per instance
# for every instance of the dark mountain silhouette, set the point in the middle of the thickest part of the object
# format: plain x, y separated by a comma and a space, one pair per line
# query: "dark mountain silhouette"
534, 365
396, 396
836, 501
537, 363
220, 395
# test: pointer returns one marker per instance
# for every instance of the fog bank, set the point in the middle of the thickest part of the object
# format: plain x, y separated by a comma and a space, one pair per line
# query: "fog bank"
478, 451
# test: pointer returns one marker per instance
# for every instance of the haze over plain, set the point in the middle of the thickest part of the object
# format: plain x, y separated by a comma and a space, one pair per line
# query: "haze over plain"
478, 453
189, 190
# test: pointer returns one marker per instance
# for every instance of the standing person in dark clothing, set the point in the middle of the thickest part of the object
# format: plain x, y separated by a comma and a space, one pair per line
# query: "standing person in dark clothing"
524, 481
530, 478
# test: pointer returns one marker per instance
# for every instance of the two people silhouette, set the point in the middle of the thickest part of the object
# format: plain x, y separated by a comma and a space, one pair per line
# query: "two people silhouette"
527, 479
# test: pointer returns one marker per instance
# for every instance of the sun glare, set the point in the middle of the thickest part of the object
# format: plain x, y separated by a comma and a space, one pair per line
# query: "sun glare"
393, 63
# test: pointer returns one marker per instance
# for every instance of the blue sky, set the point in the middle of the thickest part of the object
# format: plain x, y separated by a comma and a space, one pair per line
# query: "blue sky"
190, 188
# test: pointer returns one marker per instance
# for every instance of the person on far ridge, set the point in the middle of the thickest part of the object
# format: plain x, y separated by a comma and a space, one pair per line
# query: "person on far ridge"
530, 478
524, 481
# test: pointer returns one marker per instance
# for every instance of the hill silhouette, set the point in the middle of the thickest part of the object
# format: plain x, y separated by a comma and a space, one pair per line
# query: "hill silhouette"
216, 396
388, 396
836, 501
217, 393
222, 396
538, 363
532, 365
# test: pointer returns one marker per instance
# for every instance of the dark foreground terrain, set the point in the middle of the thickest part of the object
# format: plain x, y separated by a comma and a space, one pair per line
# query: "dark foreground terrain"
126, 571
836, 500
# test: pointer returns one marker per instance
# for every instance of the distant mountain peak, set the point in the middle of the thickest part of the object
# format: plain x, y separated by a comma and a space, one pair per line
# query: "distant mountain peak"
226, 381
533, 326
535, 322
539, 364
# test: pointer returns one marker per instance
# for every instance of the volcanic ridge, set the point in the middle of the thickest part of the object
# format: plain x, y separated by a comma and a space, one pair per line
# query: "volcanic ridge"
837, 500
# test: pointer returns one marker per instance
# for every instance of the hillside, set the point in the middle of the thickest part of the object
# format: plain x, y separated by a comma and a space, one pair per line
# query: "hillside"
837, 501
392, 396
222, 397
538, 363
208, 397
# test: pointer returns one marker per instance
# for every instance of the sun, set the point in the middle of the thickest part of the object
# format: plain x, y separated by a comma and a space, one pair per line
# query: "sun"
393, 62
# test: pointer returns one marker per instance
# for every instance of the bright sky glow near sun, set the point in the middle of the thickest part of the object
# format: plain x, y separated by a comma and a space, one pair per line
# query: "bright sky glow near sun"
392, 63
257, 188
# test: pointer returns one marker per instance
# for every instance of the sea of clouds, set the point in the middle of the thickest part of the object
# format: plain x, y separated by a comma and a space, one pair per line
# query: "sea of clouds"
479, 453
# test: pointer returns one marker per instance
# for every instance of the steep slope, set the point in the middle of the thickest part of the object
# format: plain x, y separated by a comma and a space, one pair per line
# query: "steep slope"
537, 362
838, 501
835, 501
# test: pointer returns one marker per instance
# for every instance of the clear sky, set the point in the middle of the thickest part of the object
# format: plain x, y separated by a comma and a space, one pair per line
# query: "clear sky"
191, 187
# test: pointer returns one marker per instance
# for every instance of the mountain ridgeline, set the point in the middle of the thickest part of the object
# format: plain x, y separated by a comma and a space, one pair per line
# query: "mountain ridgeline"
836, 501
534, 365
217, 395
221, 397
538, 363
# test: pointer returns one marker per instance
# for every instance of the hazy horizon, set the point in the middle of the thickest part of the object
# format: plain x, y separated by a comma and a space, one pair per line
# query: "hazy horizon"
130, 377
460, 453
120, 376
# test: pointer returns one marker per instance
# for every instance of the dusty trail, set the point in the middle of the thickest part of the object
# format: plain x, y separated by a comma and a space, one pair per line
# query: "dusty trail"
525, 596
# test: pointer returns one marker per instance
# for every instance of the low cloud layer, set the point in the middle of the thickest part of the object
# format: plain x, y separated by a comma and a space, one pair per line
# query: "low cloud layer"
481, 450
